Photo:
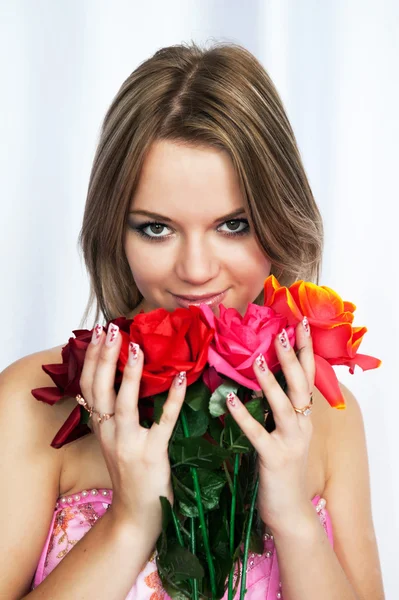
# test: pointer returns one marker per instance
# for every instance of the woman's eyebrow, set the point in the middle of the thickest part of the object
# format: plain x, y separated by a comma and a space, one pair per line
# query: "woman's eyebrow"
162, 218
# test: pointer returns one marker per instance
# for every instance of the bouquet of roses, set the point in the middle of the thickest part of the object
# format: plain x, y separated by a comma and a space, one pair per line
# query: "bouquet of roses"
213, 524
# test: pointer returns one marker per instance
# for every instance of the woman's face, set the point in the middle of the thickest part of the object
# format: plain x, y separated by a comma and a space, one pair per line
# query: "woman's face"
191, 244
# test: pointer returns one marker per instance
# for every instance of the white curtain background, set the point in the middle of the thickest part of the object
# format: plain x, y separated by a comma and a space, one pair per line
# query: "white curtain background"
335, 65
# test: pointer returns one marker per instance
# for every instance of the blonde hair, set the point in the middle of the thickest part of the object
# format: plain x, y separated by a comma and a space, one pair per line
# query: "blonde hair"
222, 98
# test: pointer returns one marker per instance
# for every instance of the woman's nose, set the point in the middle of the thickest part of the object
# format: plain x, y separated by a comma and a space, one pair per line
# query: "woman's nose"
196, 263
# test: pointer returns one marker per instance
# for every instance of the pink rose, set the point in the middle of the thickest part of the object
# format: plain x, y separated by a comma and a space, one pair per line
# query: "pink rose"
238, 341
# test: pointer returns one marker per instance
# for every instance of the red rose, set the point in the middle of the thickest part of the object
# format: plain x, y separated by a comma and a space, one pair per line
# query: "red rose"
172, 342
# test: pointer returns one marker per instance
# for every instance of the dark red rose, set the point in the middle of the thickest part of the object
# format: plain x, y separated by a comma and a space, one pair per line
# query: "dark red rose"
66, 377
171, 342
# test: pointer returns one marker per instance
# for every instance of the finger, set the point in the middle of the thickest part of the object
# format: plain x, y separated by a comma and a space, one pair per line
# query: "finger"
126, 404
283, 412
170, 410
255, 432
90, 363
103, 390
305, 353
297, 383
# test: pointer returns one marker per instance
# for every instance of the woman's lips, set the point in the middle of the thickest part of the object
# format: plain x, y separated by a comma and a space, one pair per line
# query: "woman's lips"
210, 301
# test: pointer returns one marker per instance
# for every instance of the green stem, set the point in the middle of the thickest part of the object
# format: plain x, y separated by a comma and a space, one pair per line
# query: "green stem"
203, 526
230, 483
177, 527
232, 522
192, 548
247, 537
228, 477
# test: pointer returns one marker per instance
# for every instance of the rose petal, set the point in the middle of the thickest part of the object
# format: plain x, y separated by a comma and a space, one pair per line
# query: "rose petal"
327, 383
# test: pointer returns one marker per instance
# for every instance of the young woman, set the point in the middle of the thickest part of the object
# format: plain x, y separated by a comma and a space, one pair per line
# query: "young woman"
197, 189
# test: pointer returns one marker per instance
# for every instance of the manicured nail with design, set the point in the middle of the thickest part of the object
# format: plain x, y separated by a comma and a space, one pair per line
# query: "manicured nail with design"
112, 335
260, 361
96, 336
283, 339
180, 378
231, 399
306, 326
133, 353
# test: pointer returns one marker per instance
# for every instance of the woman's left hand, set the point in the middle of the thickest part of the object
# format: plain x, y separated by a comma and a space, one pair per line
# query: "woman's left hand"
282, 454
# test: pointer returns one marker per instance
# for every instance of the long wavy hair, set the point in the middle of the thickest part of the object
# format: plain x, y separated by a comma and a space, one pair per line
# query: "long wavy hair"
219, 97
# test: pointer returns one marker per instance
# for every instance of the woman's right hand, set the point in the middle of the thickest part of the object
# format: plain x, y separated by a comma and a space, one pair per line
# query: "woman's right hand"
136, 457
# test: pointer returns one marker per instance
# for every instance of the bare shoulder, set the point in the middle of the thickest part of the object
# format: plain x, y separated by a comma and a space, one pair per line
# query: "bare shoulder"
331, 422
30, 469
16, 399
348, 417
345, 436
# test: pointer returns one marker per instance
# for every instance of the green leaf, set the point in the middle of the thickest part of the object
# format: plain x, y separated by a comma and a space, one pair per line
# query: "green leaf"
188, 508
84, 416
197, 422
172, 585
166, 512
217, 402
162, 541
245, 476
211, 485
220, 545
215, 428
197, 452
234, 438
182, 564
223, 564
174, 593
197, 395
184, 498
256, 408
168, 533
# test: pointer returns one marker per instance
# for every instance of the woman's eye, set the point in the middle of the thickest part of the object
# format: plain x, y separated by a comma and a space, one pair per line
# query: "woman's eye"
152, 231
155, 228
235, 223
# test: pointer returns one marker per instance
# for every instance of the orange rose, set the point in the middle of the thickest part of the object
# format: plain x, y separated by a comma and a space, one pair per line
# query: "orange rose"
335, 341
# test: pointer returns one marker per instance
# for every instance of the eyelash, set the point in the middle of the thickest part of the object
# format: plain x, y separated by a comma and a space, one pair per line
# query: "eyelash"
156, 238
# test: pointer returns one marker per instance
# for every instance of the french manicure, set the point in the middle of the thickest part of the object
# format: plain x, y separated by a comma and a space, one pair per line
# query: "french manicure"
112, 334
133, 353
260, 361
97, 331
231, 399
306, 326
283, 339
179, 379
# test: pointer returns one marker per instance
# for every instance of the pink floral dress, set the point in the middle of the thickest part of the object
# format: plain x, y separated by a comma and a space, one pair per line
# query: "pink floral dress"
75, 515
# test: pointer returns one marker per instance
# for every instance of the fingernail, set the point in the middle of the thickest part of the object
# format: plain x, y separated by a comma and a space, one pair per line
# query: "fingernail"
112, 334
260, 361
231, 399
133, 353
283, 339
180, 378
306, 326
96, 336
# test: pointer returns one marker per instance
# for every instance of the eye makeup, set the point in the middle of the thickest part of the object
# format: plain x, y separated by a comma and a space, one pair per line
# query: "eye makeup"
139, 229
